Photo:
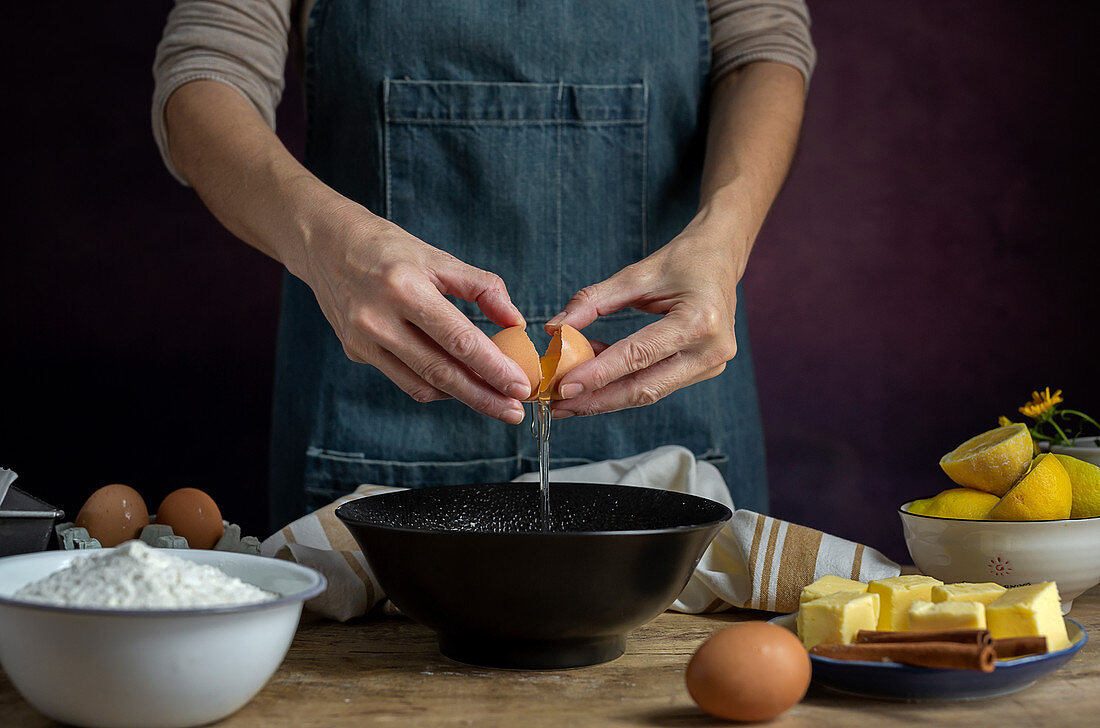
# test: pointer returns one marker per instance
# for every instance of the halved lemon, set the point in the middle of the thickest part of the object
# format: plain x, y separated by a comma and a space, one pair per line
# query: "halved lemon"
993, 461
1044, 493
956, 503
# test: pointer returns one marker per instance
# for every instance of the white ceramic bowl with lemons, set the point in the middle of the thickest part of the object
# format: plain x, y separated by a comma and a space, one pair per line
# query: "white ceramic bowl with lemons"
148, 668
1009, 553
1028, 538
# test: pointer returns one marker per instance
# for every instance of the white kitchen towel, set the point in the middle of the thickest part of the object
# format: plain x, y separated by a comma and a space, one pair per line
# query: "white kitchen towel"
754, 562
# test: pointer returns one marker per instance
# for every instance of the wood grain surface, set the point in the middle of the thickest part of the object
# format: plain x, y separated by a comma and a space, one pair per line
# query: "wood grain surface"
387, 672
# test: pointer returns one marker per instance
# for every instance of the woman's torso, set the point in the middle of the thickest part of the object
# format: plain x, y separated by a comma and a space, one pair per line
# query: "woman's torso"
551, 143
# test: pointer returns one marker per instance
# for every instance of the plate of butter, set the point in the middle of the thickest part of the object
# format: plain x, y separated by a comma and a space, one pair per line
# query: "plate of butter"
856, 631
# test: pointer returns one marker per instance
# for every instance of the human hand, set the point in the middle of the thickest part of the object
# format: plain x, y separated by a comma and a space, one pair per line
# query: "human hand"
692, 282
383, 291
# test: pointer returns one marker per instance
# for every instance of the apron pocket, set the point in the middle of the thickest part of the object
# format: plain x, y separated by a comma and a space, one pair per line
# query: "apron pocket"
543, 184
330, 474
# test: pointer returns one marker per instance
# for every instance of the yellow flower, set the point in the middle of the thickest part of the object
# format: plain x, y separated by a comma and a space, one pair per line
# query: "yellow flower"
1041, 402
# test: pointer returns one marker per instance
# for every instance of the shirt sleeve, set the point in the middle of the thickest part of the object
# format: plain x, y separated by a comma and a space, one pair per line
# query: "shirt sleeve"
242, 43
743, 31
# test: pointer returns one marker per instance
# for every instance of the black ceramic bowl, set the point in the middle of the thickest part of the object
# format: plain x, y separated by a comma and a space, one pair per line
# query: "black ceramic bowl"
473, 563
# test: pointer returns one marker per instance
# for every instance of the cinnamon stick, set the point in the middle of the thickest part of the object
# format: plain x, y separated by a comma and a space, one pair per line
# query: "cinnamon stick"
1019, 646
963, 636
947, 655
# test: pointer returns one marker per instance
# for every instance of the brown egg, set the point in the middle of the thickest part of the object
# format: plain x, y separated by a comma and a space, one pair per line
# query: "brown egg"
113, 514
193, 515
567, 349
748, 672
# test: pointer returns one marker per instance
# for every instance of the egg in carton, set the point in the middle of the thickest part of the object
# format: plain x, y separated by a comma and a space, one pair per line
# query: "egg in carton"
187, 518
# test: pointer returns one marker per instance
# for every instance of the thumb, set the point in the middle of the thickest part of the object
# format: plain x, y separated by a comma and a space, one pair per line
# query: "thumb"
486, 289
614, 294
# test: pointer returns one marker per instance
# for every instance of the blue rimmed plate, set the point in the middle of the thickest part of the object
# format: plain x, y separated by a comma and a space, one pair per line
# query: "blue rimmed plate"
906, 682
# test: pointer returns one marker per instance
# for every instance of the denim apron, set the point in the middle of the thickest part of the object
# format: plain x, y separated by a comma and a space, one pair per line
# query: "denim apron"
552, 143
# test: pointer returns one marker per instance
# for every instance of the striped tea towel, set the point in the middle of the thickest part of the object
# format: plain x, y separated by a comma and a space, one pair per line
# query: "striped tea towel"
754, 562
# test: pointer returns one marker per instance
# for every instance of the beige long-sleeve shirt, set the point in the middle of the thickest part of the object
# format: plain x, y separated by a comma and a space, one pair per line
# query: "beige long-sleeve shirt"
245, 43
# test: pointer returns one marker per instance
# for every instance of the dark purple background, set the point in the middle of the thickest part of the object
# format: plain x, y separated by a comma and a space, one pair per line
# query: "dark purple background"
930, 262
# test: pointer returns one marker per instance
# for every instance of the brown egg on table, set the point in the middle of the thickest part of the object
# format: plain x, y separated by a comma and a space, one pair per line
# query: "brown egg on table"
567, 349
113, 514
193, 515
748, 672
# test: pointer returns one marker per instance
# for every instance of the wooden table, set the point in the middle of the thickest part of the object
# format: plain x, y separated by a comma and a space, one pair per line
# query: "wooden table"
387, 672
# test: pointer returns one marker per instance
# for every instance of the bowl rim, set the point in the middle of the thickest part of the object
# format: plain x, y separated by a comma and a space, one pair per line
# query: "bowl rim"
902, 511
1074, 446
317, 585
535, 534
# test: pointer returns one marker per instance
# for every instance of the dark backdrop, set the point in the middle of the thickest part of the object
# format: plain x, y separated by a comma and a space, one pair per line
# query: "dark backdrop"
932, 259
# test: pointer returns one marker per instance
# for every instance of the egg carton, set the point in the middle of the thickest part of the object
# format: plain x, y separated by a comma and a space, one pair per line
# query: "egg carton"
72, 537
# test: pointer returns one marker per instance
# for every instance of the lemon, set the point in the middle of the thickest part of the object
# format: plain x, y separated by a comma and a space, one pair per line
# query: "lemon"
1084, 478
1043, 494
993, 461
956, 503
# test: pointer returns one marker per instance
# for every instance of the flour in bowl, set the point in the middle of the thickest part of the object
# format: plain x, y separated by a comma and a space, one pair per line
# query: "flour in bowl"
134, 576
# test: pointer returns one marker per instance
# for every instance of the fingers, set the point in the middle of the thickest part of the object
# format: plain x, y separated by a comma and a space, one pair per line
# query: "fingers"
641, 388
426, 373
614, 294
487, 290
598, 347
408, 380
679, 331
436, 367
454, 334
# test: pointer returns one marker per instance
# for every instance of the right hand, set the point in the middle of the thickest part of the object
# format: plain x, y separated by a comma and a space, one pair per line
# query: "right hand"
380, 288
383, 291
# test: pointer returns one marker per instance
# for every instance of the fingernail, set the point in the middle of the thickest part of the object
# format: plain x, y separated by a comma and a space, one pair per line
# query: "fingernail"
513, 416
556, 320
518, 313
515, 390
560, 414
569, 391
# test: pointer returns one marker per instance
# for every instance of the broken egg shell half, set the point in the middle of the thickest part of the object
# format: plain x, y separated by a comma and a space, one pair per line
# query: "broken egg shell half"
515, 344
567, 349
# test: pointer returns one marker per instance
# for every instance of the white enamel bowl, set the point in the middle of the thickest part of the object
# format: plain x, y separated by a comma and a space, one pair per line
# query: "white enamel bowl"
155, 669
1010, 553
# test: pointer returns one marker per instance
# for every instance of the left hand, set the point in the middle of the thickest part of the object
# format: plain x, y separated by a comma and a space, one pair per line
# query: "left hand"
692, 282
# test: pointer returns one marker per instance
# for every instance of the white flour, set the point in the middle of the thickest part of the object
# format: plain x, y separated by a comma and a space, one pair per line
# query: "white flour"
134, 576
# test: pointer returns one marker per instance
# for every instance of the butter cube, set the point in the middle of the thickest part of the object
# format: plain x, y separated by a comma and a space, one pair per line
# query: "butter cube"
897, 593
1029, 611
967, 592
835, 619
830, 584
932, 617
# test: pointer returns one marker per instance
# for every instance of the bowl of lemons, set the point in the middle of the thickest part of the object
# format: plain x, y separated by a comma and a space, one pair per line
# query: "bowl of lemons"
1013, 517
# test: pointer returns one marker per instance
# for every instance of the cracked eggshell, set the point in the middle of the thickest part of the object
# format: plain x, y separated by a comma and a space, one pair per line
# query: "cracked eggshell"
515, 344
567, 349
